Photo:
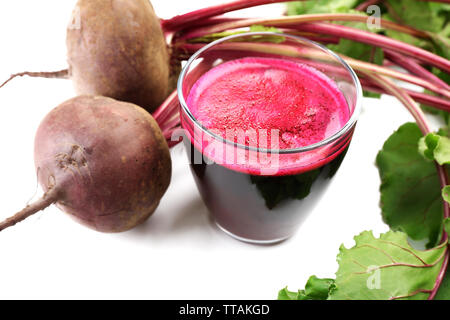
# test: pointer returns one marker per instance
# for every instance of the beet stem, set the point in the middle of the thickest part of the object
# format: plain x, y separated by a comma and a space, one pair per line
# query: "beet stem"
46, 200
184, 21
363, 6
415, 68
62, 74
167, 108
295, 21
404, 98
378, 40
443, 178
429, 100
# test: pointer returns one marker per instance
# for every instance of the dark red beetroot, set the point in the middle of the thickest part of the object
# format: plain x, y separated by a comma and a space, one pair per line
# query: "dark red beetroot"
118, 50
104, 162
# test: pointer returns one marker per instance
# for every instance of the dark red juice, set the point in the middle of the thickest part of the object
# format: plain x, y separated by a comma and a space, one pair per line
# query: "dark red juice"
271, 106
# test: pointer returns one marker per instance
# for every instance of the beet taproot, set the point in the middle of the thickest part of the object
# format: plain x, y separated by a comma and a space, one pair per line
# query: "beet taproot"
102, 161
118, 50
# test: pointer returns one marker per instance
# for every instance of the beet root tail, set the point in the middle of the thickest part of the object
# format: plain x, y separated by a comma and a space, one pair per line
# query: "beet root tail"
47, 199
61, 74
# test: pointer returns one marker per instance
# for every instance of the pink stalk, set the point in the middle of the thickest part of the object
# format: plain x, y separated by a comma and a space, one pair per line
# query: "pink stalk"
429, 100
166, 109
168, 136
388, 63
404, 98
443, 177
295, 21
168, 118
172, 122
363, 6
313, 37
377, 40
361, 65
415, 68
213, 21
183, 21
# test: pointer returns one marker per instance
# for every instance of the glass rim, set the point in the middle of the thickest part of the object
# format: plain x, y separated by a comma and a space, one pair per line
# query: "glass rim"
338, 134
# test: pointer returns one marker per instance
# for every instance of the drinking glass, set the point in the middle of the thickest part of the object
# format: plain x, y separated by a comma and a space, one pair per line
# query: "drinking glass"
255, 194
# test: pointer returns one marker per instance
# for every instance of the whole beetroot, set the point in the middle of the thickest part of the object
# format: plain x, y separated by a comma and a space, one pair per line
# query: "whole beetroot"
118, 50
104, 162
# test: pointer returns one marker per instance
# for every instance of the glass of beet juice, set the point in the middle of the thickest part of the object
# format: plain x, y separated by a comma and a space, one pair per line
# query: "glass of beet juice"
268, 119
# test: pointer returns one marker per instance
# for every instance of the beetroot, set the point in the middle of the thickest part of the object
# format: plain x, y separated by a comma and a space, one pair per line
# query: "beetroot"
104, 162
118, 50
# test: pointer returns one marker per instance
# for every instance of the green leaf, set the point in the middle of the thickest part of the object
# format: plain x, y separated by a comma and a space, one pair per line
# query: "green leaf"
397, 35
369, 94
315, 289
386, 268
320, 6
260, 28
435, 147
441, 41
285, 294
357, 50
410, 188
377, 269
419, 14
446, 197
442, 75
426, 16
253, 28
319, 289
346, 47
214, 36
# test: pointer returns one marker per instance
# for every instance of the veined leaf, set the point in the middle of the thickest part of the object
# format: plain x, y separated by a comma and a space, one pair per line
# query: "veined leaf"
435, 147
315, 289
386, 268
419, 14
377, 269
446, 195
410, 190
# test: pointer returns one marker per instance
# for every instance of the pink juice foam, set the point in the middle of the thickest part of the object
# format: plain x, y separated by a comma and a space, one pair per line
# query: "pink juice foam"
303, 104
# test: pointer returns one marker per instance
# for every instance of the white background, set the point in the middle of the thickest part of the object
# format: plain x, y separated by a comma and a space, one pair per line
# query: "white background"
178, 253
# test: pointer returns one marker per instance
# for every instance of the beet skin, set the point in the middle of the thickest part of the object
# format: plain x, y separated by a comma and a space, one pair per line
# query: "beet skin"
108, 160
116, 48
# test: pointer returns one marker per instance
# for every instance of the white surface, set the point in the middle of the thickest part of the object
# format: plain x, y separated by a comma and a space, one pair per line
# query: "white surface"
178, 253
